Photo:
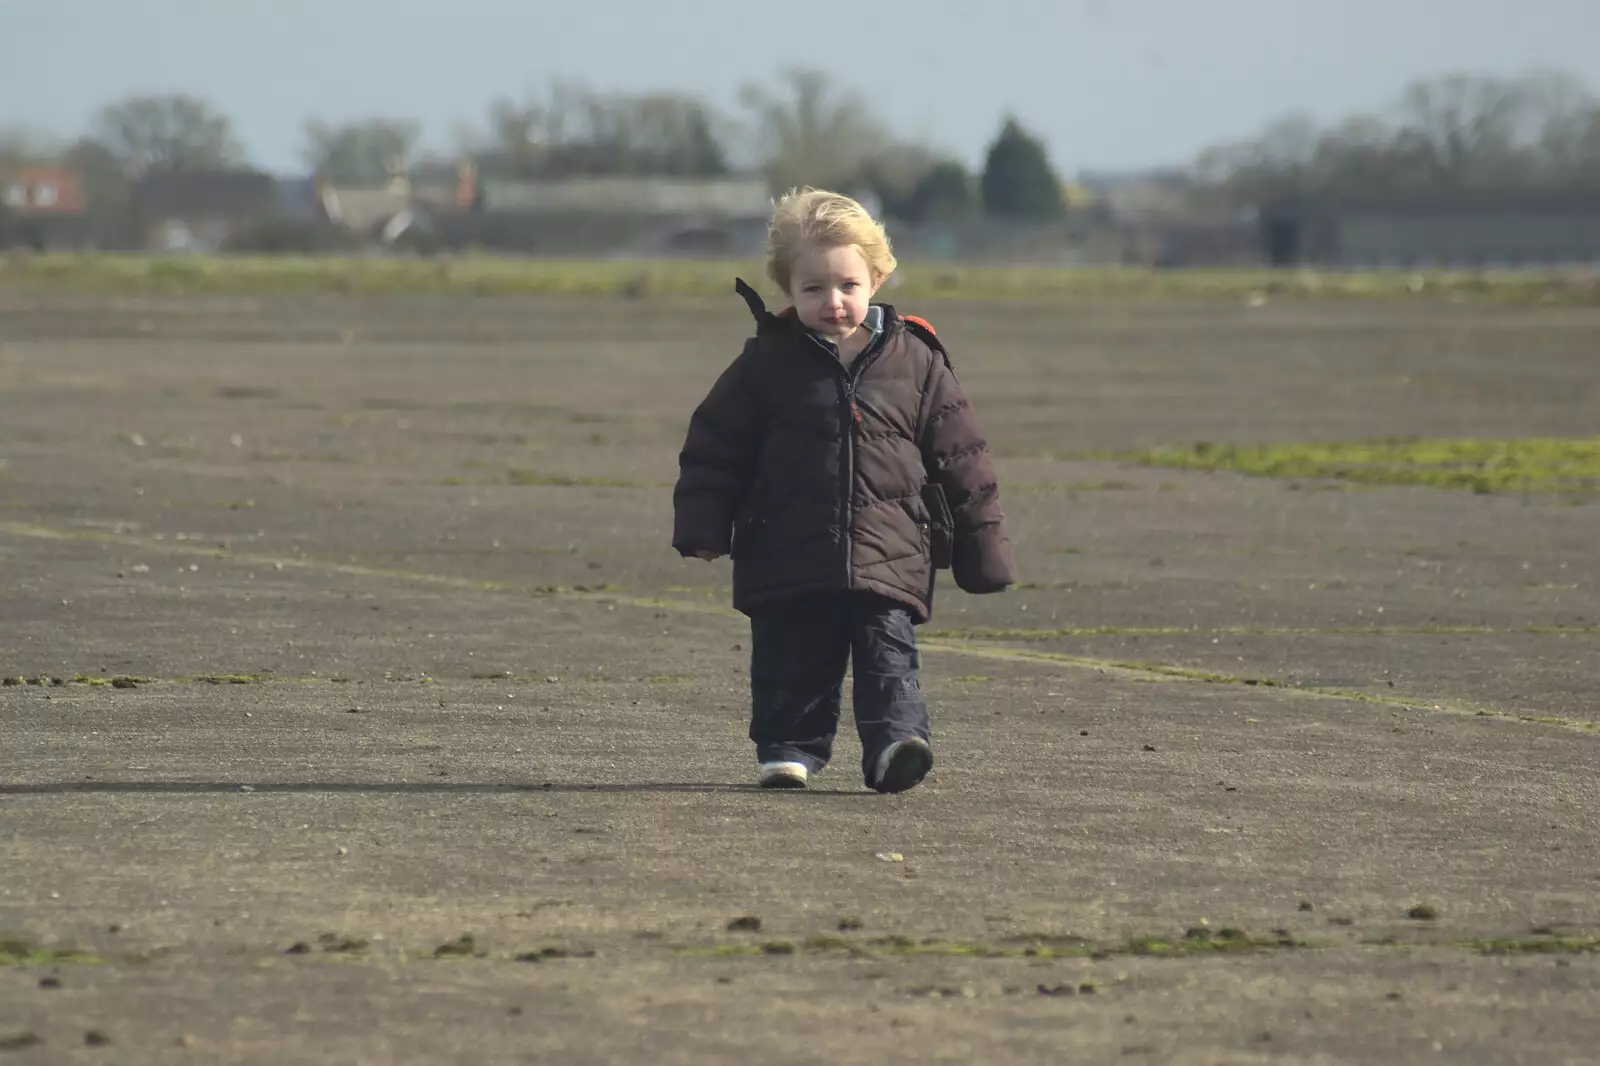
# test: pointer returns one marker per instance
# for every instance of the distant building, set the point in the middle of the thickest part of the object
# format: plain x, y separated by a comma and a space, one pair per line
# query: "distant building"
199, 210
981, 239
1483, 234
362, 210
43, 207
616, 215
297, 198
407, 203
618, 195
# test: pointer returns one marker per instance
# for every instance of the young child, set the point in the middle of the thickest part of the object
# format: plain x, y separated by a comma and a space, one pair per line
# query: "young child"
839, 462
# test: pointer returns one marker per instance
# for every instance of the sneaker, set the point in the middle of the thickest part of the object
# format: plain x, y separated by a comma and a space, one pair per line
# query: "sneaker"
903, 765
783, 775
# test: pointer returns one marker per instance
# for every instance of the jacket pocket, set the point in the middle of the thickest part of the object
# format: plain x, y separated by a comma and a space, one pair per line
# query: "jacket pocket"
941, 527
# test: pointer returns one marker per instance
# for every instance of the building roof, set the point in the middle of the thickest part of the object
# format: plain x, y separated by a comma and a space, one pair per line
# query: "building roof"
228, 194
1470, 203
717, 197
362, 209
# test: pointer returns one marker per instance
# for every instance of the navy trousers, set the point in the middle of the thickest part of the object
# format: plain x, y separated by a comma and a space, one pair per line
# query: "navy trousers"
799, 651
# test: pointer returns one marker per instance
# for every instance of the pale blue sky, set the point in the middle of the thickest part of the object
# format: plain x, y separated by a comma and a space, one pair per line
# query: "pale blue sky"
1107, 83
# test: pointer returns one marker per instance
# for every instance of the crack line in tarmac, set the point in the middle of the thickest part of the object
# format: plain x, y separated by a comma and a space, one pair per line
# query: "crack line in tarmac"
1145, 672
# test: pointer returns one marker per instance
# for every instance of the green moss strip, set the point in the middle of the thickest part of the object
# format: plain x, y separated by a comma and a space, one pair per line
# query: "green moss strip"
1569, 465
1062, 632
1195, 942
536, 477
1533, 945
21, 953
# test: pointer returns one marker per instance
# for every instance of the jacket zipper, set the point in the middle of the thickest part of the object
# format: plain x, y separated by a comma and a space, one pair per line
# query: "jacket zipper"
852, 375
853, 419
847, 515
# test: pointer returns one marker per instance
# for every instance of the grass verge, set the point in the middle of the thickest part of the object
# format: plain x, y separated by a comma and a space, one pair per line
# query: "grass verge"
486, 275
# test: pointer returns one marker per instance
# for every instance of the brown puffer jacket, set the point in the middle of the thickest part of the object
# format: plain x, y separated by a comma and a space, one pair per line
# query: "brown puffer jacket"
820, 478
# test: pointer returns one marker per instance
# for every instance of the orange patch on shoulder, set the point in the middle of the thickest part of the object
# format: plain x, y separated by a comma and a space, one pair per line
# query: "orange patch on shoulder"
924, 323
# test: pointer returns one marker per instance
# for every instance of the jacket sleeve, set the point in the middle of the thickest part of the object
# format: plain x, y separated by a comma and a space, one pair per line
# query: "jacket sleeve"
957, 459
717, 464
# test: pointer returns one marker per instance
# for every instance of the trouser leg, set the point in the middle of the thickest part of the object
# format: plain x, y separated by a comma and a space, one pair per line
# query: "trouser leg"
798, 654
889, 705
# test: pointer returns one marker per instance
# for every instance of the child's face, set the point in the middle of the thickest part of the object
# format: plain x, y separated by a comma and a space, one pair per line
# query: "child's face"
831, 288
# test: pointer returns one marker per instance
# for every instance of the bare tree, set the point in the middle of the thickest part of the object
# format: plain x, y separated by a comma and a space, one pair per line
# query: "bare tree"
167, 133
20, 146
1453, 136
894, 172
367, 151
1281, 158
1355, 155
107, 188
573, 130
811, 133
1568, 116
1572, 146
674, 134
513, 139
1460, 130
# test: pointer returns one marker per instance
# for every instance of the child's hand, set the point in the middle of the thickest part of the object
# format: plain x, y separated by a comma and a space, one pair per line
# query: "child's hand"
709, 557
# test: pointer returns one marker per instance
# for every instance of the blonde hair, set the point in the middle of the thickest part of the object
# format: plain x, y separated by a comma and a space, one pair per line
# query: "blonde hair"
815, 218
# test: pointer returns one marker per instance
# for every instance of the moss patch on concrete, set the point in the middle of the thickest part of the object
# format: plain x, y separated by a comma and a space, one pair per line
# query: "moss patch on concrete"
1561, 465
541, 478
22, 953
1200, 941
1048, 633
1534, 945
